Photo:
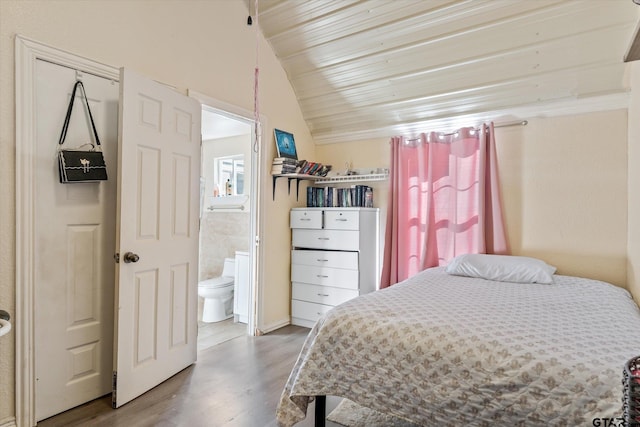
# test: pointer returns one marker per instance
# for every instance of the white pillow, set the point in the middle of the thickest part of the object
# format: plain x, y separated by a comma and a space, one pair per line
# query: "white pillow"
502, 268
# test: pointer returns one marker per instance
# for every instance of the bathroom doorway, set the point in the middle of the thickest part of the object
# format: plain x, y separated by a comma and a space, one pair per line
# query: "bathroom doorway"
226, 213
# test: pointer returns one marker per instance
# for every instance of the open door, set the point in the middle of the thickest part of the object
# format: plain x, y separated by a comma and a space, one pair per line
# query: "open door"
157, 236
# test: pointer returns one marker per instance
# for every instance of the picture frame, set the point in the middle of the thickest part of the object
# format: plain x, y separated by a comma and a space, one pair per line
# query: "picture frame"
285, 144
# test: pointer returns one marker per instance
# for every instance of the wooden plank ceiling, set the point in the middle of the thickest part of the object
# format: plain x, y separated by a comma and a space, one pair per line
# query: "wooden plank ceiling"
375, 68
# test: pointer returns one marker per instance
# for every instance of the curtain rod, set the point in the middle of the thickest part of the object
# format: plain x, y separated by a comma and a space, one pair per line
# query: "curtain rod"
504, 125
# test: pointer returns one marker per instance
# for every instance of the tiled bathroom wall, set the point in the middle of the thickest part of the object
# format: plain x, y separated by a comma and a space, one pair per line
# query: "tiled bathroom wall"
221, 235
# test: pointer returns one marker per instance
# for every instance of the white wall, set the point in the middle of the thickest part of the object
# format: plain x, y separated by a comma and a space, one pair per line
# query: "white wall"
201, 45
633, 248
564, 185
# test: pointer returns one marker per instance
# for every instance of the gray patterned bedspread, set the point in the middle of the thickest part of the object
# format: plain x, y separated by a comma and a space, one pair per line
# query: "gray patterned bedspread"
455, 351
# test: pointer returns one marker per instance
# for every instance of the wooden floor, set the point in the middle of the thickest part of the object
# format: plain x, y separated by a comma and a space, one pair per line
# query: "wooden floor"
235, 383
210, 334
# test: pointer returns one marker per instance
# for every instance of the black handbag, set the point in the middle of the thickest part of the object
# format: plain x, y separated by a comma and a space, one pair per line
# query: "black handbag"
80, 165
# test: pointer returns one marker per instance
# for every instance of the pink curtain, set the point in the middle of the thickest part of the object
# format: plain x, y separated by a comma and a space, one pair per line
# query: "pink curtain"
444, 200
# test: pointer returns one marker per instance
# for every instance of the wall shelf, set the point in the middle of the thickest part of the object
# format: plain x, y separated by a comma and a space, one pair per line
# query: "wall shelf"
336, 179
353, 178
290, 177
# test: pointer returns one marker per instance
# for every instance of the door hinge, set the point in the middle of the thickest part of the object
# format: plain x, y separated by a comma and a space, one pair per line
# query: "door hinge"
114, 389
117, 257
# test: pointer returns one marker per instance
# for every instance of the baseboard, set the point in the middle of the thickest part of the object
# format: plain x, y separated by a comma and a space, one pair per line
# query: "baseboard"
11, 422
265, 329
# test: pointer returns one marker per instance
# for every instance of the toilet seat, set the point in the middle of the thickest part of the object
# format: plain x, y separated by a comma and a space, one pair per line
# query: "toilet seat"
217, 293
216, 282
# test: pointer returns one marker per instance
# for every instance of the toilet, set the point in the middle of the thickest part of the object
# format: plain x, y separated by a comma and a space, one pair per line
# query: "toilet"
218, 294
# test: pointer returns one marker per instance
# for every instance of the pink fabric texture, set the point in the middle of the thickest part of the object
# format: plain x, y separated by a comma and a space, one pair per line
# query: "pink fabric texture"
444, 201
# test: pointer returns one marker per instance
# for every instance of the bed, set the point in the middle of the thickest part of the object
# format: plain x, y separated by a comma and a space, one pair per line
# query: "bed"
449, 350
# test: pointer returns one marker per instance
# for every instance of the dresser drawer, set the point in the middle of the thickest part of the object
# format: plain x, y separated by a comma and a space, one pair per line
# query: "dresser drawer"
322, 294
308, 310
341, 220
325, 276
343, 240
348, 260
306, 219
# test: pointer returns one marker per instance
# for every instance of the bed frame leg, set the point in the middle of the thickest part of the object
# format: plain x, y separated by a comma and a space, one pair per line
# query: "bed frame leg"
321, 406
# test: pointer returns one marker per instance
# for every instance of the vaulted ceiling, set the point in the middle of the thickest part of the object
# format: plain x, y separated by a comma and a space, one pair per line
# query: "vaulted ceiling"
376, 68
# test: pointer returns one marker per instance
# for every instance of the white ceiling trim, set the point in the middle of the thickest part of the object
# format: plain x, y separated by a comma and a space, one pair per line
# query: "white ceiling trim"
516, 114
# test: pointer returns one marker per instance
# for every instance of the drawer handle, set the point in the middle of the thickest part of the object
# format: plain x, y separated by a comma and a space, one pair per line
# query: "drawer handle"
323, 295
322, 260
323, 238
305, 219
341, 219
322, 277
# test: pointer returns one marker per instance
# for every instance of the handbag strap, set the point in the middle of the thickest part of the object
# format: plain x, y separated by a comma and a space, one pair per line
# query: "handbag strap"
67, 118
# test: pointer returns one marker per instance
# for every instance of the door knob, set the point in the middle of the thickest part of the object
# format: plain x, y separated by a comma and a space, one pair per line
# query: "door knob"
130, 257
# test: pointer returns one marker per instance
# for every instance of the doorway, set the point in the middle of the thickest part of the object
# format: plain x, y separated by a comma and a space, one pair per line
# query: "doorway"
225, 227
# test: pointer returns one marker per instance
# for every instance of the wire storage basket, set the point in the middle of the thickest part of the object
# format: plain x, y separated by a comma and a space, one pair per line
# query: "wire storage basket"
631, 396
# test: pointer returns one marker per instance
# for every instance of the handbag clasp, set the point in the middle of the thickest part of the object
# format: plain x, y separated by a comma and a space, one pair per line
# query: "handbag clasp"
85, 165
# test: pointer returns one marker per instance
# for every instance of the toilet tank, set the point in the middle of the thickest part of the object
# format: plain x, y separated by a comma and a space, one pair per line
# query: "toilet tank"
229, 270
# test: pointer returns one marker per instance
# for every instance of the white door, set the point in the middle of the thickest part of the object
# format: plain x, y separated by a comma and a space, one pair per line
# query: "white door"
157, 238
74, 244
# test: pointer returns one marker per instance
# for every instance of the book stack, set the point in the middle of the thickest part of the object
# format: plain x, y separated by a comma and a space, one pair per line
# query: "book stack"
313, 168
283, 166
333, 197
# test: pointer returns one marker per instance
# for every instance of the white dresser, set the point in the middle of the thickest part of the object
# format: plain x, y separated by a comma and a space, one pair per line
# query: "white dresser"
335, 257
